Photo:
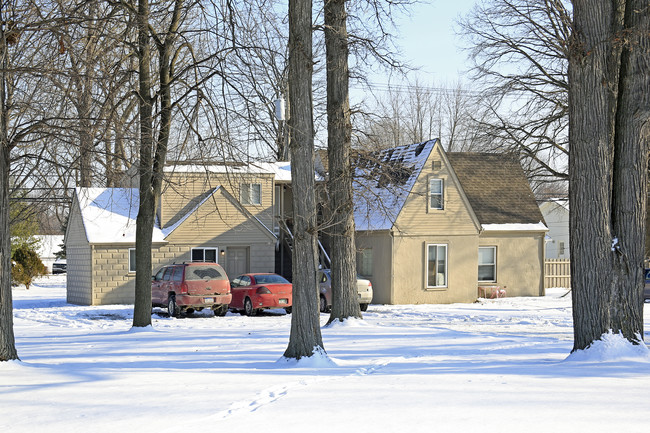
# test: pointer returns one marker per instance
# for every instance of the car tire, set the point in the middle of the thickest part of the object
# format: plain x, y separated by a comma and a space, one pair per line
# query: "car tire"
323, 304
363, 307
172, 307
248, 308
288, 310
220, 311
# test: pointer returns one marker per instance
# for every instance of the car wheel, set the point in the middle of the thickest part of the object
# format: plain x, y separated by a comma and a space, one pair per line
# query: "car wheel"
248, 307
288, 310
363, 307
220, 311
172, 308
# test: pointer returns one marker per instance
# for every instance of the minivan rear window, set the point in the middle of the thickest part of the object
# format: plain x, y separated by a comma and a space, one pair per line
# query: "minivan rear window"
200, 272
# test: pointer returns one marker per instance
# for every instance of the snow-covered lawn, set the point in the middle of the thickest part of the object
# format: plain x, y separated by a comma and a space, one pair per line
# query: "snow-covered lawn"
494, 366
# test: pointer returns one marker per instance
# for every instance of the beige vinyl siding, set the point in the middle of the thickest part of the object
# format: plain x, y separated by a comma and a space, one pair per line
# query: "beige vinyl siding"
183, 189
520, 261
417, 217
381, 278
410, 270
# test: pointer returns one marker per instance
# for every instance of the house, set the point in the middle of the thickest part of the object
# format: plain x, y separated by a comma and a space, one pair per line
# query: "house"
434, 227
556, 215
48, 246
221, 213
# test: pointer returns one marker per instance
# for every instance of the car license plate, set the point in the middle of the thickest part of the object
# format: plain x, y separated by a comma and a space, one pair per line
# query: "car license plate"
208, 300
283, 301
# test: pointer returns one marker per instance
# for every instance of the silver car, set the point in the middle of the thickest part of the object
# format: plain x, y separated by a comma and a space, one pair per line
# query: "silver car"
364, 288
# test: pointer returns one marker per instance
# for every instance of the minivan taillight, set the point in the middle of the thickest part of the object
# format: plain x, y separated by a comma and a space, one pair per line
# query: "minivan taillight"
263, 291
183, 287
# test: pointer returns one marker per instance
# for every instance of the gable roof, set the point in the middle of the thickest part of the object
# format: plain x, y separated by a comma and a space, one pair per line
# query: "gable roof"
108, 215
383, 181
497, 190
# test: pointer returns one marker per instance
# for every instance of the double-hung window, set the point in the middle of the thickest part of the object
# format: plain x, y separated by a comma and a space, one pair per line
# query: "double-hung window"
436, 265
251, 193
487, 264
436, 193
204, 255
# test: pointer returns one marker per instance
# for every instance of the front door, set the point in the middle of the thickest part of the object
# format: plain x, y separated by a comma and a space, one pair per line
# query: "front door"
237, 261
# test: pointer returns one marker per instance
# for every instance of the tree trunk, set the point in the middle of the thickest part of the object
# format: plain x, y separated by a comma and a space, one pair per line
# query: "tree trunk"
607, 189
305, 339
7, 343
146, 210
345, 302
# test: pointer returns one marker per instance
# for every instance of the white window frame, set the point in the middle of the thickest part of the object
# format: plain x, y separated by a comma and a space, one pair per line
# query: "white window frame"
446, 269
132, 255
248, 197
216, 253
441, 194
493, 264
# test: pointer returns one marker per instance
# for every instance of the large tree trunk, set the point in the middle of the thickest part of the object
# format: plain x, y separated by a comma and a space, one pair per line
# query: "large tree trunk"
7, 343
146, 210
305, 339
607, 187
345, 302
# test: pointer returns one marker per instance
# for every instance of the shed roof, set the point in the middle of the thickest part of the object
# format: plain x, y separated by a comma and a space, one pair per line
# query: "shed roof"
496, 187
109, 215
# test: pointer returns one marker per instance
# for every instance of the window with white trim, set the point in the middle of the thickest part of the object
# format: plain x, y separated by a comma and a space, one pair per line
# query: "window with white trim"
131, 259
204, 255
487, 264
251, 193
436, 193
436, 265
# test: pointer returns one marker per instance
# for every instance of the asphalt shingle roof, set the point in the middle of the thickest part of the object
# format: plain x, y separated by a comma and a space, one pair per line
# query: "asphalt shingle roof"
496, 187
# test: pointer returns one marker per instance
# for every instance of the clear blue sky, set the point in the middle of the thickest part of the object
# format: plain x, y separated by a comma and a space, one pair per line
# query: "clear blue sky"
428, 39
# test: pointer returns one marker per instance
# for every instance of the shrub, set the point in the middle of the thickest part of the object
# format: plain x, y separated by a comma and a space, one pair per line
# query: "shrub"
27, 266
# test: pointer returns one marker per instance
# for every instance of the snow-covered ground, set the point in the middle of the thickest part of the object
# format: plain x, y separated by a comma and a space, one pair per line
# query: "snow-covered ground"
498, 365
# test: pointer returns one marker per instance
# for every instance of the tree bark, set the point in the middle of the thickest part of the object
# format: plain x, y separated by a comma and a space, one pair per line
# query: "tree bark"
146, 210
345, 302
607, 170
7, 343
305, 339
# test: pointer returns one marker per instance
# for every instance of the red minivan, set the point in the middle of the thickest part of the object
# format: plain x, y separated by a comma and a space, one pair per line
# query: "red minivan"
188, 287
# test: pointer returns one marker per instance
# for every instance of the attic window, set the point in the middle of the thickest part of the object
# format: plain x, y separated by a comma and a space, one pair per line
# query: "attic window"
436, 165
251, 193
436, 194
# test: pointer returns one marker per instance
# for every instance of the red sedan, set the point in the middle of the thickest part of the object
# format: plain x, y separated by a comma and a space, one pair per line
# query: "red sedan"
254, 292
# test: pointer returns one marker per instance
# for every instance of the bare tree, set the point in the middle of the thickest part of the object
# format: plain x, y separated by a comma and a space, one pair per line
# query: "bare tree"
416, 113
339, 139
520, 49
305, 339
609, 112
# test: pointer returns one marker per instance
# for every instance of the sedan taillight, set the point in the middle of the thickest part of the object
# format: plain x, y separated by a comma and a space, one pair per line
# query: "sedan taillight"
263, 291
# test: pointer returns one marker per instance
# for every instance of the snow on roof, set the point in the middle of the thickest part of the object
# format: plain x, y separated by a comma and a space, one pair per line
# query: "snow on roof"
281, 170
538, 227
383, 181
109, 215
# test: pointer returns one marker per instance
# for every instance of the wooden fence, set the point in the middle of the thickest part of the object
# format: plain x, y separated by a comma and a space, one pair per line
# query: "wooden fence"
557, 273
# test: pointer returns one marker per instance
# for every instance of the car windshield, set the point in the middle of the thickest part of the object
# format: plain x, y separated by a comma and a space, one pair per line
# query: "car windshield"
270, 279
203, 272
